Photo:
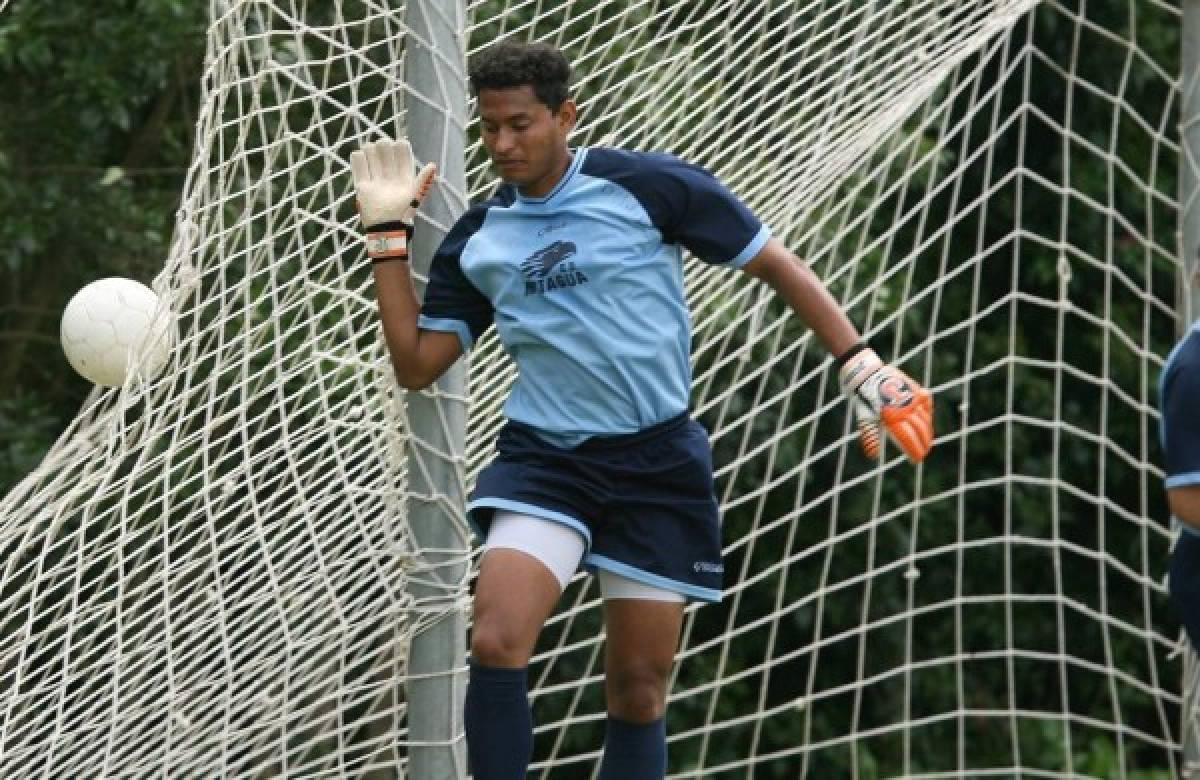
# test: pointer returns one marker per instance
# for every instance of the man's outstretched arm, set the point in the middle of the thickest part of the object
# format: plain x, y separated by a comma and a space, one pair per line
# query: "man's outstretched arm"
882, 396
795, 282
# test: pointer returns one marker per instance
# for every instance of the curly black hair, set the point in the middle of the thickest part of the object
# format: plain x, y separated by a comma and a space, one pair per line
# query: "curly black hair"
511, 64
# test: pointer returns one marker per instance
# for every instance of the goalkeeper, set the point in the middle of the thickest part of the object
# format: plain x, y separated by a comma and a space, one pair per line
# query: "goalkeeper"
577, 261
1180, 403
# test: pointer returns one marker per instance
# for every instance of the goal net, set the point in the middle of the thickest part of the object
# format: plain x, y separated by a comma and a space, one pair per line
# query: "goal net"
212, 573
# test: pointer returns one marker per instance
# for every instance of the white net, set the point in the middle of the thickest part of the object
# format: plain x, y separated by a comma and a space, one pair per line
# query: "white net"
209, 574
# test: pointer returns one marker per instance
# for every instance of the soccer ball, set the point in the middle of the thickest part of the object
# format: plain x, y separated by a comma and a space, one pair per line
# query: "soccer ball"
115, 326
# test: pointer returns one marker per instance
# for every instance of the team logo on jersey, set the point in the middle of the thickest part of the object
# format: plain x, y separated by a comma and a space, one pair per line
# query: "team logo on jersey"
550, 268
553, 226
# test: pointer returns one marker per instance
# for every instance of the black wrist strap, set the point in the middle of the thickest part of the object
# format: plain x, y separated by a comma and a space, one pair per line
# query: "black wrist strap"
387, 227
381, 260
844, 358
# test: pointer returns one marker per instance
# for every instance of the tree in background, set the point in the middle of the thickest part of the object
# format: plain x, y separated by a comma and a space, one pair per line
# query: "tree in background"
97, 106
95, 137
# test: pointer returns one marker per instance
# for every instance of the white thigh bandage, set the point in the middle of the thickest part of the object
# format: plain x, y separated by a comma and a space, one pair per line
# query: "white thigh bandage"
615, 586
558, 547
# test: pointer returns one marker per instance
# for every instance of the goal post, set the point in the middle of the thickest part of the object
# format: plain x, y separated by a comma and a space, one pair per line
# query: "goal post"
253, 564
435, 123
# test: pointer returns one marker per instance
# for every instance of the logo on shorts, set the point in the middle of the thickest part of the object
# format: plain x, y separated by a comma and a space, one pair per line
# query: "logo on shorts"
550, 268
708, 567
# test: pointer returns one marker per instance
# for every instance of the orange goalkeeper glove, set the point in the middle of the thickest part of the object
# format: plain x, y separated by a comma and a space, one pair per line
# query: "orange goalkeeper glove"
885, 396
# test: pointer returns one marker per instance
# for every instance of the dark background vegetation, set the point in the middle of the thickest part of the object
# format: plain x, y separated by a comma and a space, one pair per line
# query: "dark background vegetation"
97, 110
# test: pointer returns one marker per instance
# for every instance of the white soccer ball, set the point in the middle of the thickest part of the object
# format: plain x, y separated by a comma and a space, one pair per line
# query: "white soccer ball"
115, 326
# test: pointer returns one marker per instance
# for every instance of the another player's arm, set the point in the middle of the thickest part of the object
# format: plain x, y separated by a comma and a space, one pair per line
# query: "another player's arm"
1181, 437
388, 198
879, 394
1185, 504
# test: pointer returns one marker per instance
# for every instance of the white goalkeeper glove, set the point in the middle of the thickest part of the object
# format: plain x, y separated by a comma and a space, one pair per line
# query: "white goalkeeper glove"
885, 396
388, 196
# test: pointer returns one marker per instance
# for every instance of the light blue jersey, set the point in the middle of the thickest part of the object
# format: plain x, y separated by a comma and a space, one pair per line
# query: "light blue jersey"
585, 287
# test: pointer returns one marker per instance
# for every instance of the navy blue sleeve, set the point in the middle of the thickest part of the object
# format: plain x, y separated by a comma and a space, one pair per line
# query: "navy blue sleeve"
451, 302
1181, 415
686, 203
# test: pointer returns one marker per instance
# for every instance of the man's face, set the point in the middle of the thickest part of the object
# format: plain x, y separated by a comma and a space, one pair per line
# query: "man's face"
525, 139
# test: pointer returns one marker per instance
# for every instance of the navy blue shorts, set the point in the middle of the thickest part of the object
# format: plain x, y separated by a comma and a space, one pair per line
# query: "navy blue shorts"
644, 502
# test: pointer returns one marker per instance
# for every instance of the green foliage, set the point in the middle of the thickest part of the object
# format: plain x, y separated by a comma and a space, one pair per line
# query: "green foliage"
96, 112
97, 104
34, 417
1109, 265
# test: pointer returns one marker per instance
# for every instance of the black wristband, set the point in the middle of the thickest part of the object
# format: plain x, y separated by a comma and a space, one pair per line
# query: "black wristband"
844, 358
387, 227
382, 260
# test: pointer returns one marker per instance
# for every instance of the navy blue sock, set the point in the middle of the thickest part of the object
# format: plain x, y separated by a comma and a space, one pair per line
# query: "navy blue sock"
498, 722
634, 751
1184, 584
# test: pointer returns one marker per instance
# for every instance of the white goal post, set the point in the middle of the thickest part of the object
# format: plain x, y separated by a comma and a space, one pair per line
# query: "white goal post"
256, 565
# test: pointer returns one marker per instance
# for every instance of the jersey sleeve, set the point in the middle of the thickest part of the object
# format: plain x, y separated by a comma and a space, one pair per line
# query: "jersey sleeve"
452, 303
689, 206
708, 219
1181, 423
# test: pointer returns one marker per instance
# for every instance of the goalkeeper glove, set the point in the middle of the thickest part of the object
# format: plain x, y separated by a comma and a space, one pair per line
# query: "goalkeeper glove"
885, 396
388, 196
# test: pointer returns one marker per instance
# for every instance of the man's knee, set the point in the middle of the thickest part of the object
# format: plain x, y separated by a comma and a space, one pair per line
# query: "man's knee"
495, 644
514, 595
637, 693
